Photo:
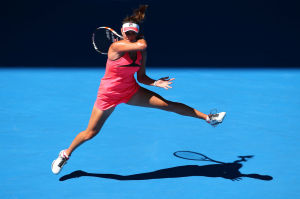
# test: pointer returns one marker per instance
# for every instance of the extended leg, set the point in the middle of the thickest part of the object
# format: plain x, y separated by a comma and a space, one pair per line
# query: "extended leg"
147, 98
96, 122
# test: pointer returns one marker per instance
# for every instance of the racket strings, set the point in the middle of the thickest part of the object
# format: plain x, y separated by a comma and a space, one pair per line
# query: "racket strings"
190, 155
102, 39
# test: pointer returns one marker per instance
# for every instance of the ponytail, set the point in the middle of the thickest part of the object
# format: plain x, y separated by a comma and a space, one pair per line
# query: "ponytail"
138, 15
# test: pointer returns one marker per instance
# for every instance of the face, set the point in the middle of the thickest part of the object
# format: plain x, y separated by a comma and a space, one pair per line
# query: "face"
129, 35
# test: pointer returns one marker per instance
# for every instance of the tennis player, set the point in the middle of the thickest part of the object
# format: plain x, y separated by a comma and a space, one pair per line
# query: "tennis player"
125, 58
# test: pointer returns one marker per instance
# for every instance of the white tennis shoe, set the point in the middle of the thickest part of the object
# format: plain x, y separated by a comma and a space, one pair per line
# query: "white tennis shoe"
216, 118
58, 164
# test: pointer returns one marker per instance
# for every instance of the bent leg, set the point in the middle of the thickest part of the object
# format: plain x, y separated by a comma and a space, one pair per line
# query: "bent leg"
147, 98
98, 117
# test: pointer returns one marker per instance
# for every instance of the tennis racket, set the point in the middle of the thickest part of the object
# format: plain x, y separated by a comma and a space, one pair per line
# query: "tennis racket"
103, 37
190, 155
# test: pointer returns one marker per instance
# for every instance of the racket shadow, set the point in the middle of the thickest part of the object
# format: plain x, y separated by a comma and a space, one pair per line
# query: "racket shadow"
224, 170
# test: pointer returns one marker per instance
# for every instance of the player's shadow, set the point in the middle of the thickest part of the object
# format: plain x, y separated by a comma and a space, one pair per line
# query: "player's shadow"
224, 170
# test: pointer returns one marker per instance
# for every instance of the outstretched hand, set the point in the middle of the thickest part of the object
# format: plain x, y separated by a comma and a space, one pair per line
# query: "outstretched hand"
164, 82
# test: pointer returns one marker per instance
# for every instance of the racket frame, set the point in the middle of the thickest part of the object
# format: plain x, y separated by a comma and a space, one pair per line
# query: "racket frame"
203, 157
106, 28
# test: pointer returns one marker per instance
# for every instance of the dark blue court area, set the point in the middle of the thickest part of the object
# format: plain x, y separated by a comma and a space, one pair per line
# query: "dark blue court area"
42, 110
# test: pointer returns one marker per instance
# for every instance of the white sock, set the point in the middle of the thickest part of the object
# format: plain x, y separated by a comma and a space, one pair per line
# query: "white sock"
64, 154
208, 119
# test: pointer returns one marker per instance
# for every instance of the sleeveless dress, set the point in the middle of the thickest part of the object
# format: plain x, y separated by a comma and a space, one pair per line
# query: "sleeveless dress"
118, 84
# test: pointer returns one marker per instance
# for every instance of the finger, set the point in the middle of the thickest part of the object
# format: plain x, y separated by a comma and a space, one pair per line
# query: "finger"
168, 86
171, 79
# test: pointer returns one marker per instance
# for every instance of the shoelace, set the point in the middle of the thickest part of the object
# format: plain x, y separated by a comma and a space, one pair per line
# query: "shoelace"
213, 113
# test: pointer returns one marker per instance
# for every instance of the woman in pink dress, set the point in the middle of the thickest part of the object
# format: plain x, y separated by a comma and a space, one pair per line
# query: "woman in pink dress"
125, 58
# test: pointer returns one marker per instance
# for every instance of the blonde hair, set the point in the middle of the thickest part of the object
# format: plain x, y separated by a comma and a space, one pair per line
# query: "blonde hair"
138, 15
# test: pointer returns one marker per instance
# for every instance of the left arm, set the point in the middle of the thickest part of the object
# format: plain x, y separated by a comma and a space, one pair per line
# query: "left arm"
141, 74
144, 79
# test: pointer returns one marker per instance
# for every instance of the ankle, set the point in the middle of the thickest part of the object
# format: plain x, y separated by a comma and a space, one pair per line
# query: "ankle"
207, 119
67, 153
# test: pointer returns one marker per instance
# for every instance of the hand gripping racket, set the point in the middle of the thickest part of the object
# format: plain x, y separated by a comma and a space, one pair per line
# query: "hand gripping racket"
103, 37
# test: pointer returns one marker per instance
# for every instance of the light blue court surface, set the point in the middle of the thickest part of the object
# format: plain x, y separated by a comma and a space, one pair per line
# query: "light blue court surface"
42, 110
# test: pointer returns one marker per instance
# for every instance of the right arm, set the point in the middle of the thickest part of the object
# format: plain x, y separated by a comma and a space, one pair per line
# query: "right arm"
126, 46
118, 48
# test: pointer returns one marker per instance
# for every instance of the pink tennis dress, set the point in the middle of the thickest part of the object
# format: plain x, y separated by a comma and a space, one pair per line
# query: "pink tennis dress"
118, 84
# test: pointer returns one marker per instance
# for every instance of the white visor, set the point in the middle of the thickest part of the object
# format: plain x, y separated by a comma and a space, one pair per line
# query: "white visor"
130, 27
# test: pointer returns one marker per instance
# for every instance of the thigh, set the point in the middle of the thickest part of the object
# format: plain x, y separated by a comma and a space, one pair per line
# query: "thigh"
147, 98
98, 117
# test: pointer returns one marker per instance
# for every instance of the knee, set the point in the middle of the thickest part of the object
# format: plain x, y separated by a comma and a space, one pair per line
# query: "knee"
89, 134
167, 105
173, 107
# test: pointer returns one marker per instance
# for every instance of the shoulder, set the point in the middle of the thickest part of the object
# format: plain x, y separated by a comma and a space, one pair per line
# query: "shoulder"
114, 55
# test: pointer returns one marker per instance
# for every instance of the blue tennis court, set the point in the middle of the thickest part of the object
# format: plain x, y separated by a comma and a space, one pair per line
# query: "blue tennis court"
42, 110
